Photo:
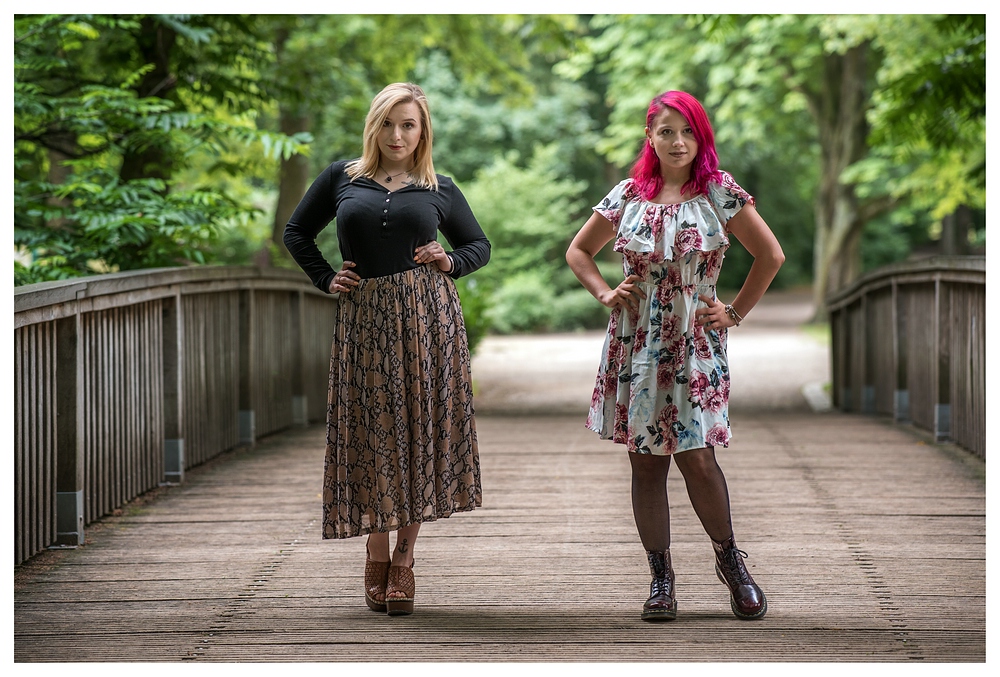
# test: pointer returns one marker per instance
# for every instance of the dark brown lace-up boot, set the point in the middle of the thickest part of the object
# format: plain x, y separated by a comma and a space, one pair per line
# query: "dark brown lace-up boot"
661, 605
745, 597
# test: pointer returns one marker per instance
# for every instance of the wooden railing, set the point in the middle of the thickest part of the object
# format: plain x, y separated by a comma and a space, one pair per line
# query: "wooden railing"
909, 341
124, 381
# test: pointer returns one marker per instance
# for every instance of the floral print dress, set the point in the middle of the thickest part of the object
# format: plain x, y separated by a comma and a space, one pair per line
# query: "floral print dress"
663, 383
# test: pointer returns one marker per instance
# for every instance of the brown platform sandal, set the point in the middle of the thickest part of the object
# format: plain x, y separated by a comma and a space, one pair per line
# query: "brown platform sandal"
400, 580
376, 579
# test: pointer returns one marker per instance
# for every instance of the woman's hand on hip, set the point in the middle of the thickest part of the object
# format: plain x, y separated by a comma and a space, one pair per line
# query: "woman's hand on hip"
714, 316
625, 294
346, 279
433, 252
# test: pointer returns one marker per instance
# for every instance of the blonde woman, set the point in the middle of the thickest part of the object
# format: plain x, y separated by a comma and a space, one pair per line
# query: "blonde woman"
401, 435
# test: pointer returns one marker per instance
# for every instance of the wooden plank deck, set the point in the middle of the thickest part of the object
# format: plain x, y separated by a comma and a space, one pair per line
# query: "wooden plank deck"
869, 542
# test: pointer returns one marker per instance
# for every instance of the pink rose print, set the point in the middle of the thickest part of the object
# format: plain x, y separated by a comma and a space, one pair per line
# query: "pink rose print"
595, 400
687, 240
616, 313
713, 399
670, 328
717, 436
616, 353
633, 315
610, 384
612, 215
678, 348
640, 341
701, 348
734, 189
620, 434
698, 385
654, 219
673, 277
636, 264
665, 294
665, 373
713, 264
664, 424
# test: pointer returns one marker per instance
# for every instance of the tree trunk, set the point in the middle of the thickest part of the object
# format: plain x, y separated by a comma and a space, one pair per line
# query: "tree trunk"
293, 175
839, 108
57, 175
155, 41
955, 232
293, 181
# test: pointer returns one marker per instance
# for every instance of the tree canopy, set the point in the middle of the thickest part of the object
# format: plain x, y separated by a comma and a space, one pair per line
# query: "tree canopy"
160, 140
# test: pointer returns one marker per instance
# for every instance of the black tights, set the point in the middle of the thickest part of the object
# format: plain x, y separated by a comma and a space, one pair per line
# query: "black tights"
706, 487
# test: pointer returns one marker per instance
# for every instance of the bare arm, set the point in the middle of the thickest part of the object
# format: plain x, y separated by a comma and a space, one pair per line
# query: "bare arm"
596, 233
754, 234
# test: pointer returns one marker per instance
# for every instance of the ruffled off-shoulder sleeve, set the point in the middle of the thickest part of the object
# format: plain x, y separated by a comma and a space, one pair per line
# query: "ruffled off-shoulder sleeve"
728, 197
612, 206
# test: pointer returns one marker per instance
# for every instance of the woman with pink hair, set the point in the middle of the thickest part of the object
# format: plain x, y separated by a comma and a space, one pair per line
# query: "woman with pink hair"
663, 383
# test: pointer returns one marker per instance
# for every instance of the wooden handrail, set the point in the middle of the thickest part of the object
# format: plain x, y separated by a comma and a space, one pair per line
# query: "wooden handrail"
124, 381
909, 341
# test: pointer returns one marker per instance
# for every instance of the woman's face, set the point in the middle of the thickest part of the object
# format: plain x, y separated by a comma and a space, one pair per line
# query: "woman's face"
672, 139
400, 133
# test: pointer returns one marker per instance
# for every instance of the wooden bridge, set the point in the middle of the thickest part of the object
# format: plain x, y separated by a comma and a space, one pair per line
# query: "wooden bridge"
868, 537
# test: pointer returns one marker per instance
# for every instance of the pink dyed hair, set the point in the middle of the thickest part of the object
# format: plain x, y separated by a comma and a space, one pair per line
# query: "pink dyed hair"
705, 168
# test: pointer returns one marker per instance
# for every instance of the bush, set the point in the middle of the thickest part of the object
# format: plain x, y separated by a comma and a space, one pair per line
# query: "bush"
577, 310
524, 302
475, 303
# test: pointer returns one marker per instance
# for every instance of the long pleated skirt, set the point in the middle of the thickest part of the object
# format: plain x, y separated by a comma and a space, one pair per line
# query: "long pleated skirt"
401, 431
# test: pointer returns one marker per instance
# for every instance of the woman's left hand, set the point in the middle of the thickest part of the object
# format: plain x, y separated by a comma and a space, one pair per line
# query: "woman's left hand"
433, 252
714, 316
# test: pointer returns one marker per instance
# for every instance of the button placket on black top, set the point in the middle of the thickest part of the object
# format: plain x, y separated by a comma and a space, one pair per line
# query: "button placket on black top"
385, 215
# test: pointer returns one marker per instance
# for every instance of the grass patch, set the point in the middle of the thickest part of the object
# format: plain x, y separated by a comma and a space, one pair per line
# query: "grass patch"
818, 331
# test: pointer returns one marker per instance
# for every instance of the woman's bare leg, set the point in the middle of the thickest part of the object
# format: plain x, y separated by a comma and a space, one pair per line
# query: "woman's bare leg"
402, 554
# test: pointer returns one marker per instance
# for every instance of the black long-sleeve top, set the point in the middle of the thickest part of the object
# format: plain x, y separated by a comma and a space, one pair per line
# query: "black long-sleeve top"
380, 230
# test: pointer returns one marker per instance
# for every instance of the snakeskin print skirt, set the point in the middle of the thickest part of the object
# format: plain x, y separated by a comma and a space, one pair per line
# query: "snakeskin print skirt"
401, 431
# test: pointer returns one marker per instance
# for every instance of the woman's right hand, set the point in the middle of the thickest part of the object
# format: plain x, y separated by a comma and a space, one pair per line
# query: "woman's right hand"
345, 279
626, 294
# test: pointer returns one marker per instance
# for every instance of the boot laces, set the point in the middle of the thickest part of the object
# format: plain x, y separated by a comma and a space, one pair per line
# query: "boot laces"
661, 586
732, 558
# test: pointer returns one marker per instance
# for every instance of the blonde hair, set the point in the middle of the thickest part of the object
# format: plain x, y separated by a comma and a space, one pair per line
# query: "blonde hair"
423, 167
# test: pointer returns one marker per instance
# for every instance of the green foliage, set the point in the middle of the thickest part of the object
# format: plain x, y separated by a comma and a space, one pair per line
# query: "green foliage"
474, 305
471, 130
530, 214
767, 81
642, 56
152, 140
96, 161
109, 224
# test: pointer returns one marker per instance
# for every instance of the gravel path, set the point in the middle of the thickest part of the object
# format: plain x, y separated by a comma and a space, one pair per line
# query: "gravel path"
775, 363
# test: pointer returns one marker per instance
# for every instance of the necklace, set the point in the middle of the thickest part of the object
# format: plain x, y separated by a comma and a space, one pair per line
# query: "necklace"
389, 177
